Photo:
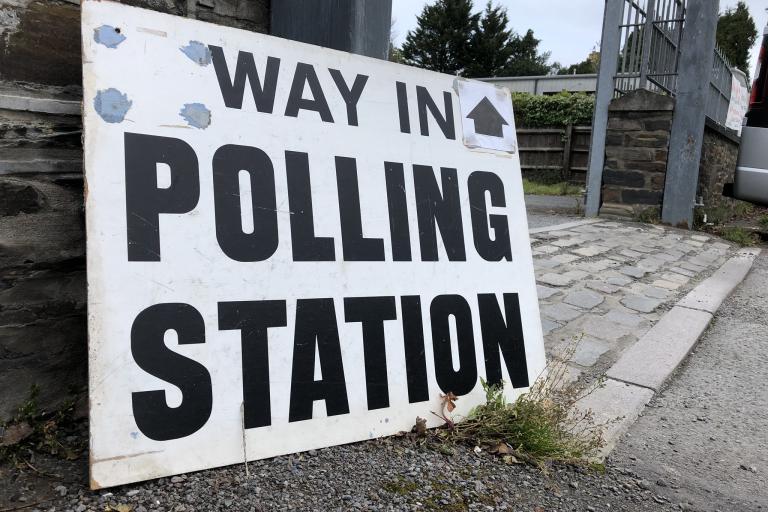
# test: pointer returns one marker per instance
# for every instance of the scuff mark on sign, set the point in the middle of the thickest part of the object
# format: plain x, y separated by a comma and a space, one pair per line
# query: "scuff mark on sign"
196, 114
197, 52
108, 35
112, 105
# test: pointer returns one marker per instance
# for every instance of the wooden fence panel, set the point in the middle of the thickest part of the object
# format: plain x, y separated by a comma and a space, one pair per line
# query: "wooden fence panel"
554, 154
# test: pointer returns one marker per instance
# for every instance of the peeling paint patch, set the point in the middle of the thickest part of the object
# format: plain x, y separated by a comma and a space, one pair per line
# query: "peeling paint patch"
108, 35
197, 52
196, 114
112, 105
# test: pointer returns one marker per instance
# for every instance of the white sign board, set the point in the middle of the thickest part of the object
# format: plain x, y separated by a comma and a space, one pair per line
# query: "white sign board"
739, 102
289, 247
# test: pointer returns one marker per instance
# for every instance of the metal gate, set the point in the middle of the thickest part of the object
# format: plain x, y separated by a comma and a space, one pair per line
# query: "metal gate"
651, 31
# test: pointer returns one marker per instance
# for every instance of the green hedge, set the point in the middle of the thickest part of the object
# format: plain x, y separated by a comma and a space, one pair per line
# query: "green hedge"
556, 110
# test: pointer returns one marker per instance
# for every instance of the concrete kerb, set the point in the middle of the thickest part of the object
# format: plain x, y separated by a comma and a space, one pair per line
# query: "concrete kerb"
644, 368
567, 225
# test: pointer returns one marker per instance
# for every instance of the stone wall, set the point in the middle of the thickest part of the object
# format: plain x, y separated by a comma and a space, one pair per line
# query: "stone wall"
42, 239
636, 149
718, 164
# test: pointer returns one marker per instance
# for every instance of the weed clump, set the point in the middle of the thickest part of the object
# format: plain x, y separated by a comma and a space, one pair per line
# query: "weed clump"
544, 424
740, 236
562, 188
32, 430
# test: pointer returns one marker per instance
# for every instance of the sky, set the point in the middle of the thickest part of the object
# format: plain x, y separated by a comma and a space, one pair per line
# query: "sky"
570, 29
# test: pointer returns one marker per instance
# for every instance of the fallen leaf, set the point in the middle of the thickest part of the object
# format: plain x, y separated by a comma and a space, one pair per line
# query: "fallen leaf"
421, 426
449, 401
510, 459
16, 433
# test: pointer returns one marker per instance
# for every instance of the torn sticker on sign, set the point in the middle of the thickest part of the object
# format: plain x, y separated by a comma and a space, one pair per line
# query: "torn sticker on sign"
197, 52
112, 105
108, 35
196, 115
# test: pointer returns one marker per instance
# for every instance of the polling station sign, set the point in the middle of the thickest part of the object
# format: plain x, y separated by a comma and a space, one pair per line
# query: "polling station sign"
289, 247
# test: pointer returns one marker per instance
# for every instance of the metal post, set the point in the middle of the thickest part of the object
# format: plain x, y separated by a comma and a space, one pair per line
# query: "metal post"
647, 38
695, 68
609, 50
356, 26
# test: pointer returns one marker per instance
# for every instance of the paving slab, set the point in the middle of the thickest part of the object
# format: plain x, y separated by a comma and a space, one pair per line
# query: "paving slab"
609, 282
584, 299
640, 303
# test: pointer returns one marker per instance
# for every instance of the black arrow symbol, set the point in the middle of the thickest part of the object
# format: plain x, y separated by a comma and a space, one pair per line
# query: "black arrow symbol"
487, 119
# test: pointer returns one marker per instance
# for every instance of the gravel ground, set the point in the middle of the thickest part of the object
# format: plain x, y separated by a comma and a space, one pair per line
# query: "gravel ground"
395, 473
706, 432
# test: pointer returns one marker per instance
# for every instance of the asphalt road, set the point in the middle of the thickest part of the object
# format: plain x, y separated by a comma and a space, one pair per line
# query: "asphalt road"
703, 442
539, 220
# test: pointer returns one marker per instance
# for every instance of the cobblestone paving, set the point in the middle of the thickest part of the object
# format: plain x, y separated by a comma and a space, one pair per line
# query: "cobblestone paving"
607, 283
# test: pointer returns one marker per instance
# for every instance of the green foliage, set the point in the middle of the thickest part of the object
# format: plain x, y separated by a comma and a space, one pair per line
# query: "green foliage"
526, 59
491, 50
450, 39
736, 34
739, 236
39, 431
442, 38
763, 222
650, 215
554, 189
587, 66
542, 424
556, 110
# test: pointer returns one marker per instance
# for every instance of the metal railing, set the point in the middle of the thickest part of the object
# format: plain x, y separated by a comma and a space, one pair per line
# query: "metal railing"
651, 31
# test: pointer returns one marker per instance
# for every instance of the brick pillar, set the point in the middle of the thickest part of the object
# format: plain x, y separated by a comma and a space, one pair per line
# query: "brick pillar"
636, 150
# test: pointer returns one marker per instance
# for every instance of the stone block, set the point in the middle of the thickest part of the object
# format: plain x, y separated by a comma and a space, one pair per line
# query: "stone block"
18, 196
635, 272
657, 125
657, 140
654, 357
561, 312
634, 179
590, 250
627, 153
708, 295
555, 279
545, 292
640, 303
615, 405
602, 287
620, 123
638, 196
588, 352
584, 299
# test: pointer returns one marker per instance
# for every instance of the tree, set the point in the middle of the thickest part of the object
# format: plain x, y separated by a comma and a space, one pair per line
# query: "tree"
736, 34
587, 66
490, 44
525, 59
450, 39
442, 38
394, 54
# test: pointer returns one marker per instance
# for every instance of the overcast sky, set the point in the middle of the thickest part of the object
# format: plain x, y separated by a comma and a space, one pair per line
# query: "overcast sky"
567, 28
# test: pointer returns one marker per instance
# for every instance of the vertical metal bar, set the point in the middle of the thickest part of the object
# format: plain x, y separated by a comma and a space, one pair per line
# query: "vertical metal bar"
645, 55
695, 67
609, 48
567, 148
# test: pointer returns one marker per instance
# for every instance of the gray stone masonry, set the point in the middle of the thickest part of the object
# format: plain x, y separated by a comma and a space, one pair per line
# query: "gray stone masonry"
631, 275
636, 148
